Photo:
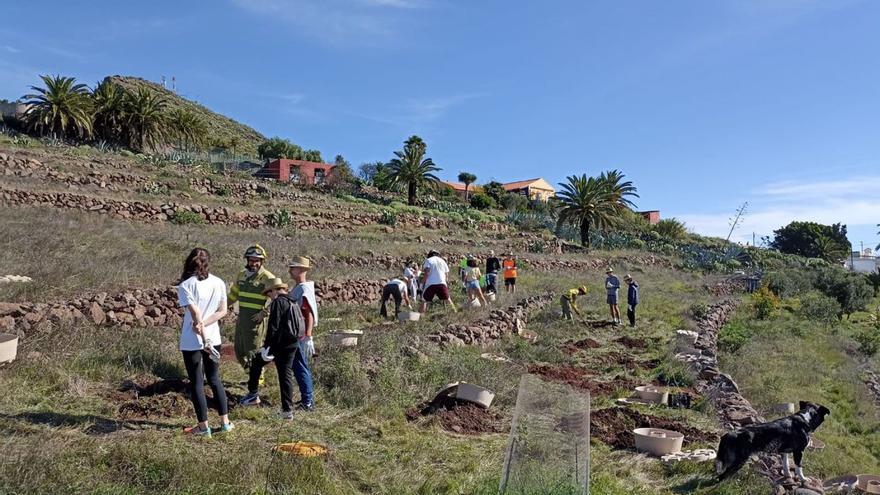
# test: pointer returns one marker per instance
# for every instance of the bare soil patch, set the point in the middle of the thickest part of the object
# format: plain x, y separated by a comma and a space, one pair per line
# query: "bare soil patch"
579, 378
150, 399
459, 416
572, 347
614, 426
631, 342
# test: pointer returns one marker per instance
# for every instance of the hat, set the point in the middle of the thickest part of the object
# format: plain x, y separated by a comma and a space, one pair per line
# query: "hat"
627, 277
491, 252
583, 289
610, 270
300, 262
255, 251
272, 284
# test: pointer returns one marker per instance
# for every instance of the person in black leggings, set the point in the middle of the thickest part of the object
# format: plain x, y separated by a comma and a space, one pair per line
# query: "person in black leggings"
198, 366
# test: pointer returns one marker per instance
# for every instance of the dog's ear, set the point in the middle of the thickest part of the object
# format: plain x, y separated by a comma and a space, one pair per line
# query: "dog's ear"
803, 405
824, 411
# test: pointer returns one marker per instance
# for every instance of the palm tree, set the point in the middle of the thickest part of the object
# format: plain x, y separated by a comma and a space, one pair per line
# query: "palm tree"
467, 179
619, 190
586, 202
410, 167
147, 125
188, 127
233, 142
61, 108
829, 250
108, 100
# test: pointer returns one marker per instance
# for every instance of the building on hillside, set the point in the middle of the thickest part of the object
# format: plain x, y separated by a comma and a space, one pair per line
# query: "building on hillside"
15, 109
862, 262
297, 171
459, 188
536, 189
652, 216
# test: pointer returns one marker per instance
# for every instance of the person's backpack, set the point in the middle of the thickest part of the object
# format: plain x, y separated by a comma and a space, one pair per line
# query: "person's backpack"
296, 324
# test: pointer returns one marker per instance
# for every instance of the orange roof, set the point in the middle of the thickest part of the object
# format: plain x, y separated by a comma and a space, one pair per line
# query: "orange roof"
459, 186
519, 184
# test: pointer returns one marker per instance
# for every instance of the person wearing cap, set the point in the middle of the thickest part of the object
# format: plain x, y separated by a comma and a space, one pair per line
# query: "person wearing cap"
493, 266
304, 296
434, 275
612, 285
509, 266
283, 327
632, 299
568, 301
246, 290
399, 291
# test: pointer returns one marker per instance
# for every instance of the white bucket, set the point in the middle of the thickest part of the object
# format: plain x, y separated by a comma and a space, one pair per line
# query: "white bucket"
8, 347
654, 394
408, 316
657, 441
344, 338
472, 393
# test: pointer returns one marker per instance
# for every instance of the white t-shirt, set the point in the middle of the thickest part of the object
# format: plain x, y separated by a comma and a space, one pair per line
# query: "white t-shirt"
438, 272
401, 284
208, 295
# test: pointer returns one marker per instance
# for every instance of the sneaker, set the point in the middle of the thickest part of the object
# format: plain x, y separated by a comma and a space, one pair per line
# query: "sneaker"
251, 399
197, 431
226, 428
301, 406
285, 415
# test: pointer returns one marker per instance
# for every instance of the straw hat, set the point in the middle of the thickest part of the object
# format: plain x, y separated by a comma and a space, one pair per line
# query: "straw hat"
583, 289
272, 284
300, 262
610, 270
627, 277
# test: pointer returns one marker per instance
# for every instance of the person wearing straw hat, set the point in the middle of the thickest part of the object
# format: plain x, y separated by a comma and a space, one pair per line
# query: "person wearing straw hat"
632, 299
284, 326
568, 301
612, 286
493, 266
252, 312
304, 296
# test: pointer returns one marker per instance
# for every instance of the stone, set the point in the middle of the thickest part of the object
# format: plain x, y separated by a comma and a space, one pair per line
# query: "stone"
7, 323
96, 314
10, 309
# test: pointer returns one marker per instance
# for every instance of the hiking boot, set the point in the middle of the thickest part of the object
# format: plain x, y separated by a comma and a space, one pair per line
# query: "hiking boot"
301, 406
285, 415
197, 431
226, 428
251, 399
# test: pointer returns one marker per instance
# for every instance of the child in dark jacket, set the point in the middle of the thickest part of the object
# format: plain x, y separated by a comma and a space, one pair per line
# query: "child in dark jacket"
632, 299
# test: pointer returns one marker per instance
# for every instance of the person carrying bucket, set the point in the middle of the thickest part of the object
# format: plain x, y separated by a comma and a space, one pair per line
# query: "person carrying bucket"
252, 313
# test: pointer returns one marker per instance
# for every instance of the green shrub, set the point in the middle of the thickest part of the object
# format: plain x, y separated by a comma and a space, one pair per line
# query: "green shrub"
815, 306
388, 217
279, 218
670, 228
765, 303
186, 217
699, 310
788, 282
869, 341
482, 201
224, 190
851, 290
734, 335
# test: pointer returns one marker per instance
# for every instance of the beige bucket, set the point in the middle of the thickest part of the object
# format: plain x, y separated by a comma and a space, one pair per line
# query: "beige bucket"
657, 441
408, 316
491, 297
8, 347
864, 482
473, 393
654, 394
344, 338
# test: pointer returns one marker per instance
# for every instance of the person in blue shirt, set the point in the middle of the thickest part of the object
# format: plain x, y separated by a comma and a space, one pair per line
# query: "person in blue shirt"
632, 299
612, 286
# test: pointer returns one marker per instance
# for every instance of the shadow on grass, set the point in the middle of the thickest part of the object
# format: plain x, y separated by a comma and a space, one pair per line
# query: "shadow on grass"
97, 425
695, 484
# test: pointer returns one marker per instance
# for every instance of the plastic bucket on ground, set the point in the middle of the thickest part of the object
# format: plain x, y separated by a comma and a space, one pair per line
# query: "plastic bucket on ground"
654, 394
344, 338
408, 316
8, 347
473, 393
657, 441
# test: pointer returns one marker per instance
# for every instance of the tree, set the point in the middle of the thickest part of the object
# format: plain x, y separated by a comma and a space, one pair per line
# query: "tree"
495, 190
61, 108
812, 240
147, 125
108, 102
367, 172
586, 202
312, 156
670, 228
233, 142
482, 201
188, 128
619, 190
342, 177
467, 179
410, 167
277, 147
851, 290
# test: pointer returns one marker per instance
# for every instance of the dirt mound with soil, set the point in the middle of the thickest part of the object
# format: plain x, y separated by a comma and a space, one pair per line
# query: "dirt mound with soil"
579, 378
149, 399
459, 416
614, 427
572, 347
627, 361
631, 342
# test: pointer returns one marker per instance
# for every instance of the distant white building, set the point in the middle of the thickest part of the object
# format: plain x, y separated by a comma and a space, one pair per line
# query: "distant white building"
862, 261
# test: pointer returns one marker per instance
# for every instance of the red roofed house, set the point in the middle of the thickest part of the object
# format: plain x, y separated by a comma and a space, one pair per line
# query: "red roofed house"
299, 171
652, 216
458, 187
538, 189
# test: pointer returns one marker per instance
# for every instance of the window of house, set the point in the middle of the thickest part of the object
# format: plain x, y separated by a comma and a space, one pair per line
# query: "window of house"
319, 176
295, 175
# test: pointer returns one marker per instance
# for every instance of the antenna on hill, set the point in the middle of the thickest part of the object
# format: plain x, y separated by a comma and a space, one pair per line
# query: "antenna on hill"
163, 81
174, 84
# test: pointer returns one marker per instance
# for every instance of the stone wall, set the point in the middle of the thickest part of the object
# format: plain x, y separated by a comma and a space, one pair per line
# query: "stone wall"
493, 327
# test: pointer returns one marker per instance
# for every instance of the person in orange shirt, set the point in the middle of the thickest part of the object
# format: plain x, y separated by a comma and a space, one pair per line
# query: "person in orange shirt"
509, 268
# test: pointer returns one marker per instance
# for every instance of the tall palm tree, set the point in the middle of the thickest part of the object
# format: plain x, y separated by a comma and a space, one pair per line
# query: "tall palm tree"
108, 101
188, 127
619, 189
147, 124
467, 179
410, 167
61, 108
233, 142
586, 202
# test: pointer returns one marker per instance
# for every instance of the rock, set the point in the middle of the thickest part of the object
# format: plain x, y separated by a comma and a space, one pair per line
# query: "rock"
96, 314
10, 309
7, 323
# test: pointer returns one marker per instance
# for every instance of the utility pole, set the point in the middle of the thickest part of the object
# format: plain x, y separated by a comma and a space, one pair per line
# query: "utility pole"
736, 219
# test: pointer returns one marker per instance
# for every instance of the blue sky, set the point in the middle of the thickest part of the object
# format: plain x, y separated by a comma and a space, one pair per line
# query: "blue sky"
704, 105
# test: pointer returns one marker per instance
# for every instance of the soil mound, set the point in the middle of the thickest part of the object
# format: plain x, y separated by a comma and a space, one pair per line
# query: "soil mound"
579, 378
587, 343
614, 426
631, 342
159, 399
459, 416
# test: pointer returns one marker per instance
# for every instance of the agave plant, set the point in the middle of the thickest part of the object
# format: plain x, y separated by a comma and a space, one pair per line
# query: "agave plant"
61, 108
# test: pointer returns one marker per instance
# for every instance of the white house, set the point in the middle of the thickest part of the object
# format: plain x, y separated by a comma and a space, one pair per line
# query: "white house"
862, 262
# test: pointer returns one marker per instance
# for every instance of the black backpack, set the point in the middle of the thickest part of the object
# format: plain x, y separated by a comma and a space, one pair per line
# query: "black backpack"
296, 324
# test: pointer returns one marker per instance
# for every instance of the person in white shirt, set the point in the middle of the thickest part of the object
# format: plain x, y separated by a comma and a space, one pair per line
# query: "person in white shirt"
411, 274
397, 289
435, 271
203, 298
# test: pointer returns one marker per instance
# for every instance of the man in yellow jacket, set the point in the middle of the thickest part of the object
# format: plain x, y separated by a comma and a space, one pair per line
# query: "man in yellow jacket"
247, 291
569, 301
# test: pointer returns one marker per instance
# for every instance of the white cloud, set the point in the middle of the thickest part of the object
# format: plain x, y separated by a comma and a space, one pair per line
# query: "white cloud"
11, 49
417, 111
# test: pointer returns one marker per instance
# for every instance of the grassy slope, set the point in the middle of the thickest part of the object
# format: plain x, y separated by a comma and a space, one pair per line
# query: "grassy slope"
219, 126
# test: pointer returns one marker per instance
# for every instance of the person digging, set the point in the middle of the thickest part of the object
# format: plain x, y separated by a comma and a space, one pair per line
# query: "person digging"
398, 290
247, 291
568, 301
303, 295
284, 326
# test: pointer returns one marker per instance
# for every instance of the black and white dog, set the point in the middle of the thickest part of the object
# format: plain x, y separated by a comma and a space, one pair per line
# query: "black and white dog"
788, 435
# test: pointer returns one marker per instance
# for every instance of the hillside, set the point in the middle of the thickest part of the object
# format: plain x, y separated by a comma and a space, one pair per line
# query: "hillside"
219, 126
97, 399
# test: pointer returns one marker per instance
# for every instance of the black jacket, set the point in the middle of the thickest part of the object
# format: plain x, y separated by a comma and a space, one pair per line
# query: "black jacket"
284, 326
493, 265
